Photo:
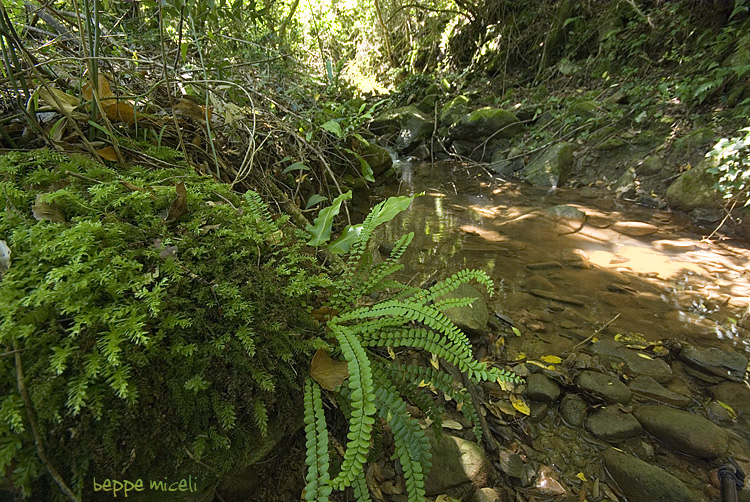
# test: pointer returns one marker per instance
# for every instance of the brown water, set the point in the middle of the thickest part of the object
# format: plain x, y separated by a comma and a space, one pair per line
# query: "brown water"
668, 284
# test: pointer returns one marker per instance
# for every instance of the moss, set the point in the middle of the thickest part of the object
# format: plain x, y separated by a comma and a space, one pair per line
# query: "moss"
150, 346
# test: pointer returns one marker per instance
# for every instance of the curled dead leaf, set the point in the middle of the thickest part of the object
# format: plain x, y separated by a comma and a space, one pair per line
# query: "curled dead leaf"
328, 372
179, 206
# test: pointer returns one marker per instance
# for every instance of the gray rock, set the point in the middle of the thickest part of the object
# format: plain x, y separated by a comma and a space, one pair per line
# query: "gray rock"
736, 395
486, 122
683, 431
565, 211
612, 424
640, 481
411, 125
542, 388
646, 387
473, 319
551, 167
635, 365
573, 409
605, 387
459, 467
729, 365
548, 483
650, 165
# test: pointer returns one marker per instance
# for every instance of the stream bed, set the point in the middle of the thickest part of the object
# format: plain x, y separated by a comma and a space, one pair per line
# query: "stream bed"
606, 295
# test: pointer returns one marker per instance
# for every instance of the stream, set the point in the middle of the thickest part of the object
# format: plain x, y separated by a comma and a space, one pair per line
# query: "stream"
582, 275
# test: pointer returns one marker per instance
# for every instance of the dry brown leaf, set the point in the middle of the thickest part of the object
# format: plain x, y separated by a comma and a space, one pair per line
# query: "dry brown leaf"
328, 372
179, 205
122, 111
108, 153
46, 211
61, 102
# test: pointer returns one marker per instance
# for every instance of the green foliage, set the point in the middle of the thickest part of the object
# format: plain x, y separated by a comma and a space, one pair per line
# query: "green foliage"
411, 317
731, 158
141, 335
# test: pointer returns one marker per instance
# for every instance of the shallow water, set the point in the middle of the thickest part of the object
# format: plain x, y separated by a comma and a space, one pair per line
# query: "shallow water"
669, 284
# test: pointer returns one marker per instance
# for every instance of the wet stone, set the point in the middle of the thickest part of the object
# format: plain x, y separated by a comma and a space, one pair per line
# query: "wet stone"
458, 467
729, 365
573, 409
487, 495
473, 318
541, 388
685, 432
605, 387
538, 411
613, 425
736, 395
718, 414
646, 387
640, 481
635, 365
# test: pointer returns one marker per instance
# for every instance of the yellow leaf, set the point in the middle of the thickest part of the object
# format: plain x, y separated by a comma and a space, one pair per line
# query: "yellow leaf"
434, 362
645, 356
581, 476
551, 359
328, 372
537, 363
453, 425
521, 356
519, 404
391, 353
730, 410
506, 386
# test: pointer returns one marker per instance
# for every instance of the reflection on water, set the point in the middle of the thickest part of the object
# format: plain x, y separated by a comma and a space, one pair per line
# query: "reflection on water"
609, 256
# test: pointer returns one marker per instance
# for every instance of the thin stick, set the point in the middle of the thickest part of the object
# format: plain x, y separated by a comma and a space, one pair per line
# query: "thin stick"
593, 335
40, 451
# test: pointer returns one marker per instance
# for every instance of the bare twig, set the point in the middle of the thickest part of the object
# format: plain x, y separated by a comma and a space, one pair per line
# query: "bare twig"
587, 340
40, 450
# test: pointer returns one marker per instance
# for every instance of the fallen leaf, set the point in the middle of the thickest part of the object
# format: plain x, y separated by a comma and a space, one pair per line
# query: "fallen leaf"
391, 353
730, 410
434, 362
328, 372
452, 425
581, 476
46, 211
108, 153
61, 102
179, 205
551, 359
519, 404
122, 111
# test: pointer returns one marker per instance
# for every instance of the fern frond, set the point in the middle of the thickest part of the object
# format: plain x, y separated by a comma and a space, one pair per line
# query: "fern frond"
450, 303
431, 341
454, 281
361, 397
263, 216
361, 491
412, 445
318, 486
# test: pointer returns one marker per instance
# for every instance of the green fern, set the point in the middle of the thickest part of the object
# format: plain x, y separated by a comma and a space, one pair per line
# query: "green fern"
411, 317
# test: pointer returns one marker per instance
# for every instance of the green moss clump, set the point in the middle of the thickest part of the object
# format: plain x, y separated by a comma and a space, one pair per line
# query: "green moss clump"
152, 345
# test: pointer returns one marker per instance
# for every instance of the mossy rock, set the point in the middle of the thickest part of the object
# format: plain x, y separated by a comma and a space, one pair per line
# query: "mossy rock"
453, 110
584, 109
698, 138
486, 122
694, 189
376, 156
551, 167
161, 320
